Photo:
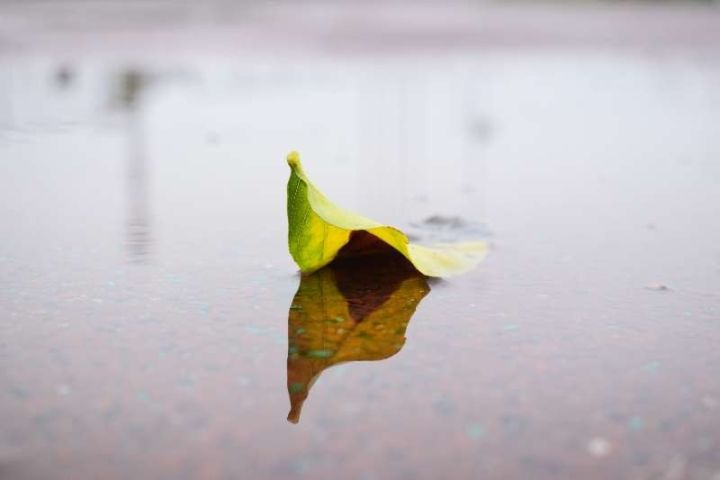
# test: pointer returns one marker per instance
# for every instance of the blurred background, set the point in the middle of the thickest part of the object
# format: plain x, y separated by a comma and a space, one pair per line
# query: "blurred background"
144, 274
184, 101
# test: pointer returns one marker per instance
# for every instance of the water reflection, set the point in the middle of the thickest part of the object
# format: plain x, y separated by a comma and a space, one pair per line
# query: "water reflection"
129, 96
64, 77
355, 309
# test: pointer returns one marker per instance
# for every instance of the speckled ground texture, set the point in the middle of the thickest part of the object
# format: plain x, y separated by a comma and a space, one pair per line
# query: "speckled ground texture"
145, 283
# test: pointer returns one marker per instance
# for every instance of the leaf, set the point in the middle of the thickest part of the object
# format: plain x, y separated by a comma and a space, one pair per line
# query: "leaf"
354, 310
318, 230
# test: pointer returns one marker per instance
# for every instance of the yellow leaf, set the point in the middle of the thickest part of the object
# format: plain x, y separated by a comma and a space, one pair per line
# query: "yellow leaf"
318, 230
351, 311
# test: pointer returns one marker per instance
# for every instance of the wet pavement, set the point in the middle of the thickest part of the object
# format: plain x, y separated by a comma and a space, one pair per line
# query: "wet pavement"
153, 325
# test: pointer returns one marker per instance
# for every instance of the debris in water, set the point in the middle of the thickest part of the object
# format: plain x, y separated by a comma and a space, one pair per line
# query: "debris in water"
635, 424
475, 431
599, 447
710, 403
444, 222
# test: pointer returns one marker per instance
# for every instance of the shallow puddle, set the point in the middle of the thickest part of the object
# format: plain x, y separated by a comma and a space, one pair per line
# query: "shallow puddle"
153, 325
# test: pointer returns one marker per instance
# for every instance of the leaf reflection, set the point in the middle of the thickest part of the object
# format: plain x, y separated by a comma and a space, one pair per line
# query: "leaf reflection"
355, 309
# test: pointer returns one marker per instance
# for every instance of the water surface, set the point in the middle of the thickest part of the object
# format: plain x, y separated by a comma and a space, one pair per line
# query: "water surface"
150, 314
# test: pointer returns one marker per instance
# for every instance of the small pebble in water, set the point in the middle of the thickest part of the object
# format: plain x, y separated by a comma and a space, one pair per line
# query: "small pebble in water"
635, 423
651, 366
599, 447
676, 469
63, 390
710, 403
475, 431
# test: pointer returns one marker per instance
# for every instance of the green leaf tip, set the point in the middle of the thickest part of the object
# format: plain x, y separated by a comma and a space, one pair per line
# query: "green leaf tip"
293, 159
318, 229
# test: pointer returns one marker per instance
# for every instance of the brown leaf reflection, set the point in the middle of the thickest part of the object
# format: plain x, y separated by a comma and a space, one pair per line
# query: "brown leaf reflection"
355, 309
